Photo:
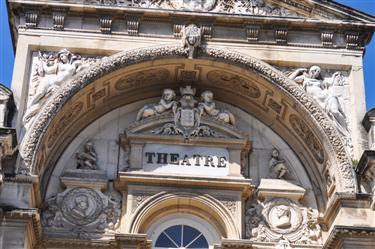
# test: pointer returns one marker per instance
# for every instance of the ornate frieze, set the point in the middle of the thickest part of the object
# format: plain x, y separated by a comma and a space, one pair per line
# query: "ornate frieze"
249, 7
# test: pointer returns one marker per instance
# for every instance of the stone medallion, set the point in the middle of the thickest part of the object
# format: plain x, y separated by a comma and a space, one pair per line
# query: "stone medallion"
283, 215
81, 206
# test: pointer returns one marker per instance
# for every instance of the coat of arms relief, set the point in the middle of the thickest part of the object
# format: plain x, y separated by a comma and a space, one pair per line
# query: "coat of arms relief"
187, 113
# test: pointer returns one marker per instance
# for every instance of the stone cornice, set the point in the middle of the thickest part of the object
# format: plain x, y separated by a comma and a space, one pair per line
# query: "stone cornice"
340, 233
53, 15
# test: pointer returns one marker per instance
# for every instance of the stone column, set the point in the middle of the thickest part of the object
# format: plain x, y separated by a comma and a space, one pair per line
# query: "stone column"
369, 124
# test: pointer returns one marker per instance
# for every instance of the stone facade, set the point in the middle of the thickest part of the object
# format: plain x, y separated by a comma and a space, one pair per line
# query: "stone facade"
187, 124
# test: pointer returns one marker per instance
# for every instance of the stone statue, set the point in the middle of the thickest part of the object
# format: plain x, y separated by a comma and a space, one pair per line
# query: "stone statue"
191, 38
314, 85
277, 166
52, 71
207, 106
165, 104
283, 216
88, 158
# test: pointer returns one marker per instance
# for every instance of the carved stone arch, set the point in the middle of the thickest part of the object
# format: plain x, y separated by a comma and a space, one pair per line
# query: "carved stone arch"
113, 82
205, 207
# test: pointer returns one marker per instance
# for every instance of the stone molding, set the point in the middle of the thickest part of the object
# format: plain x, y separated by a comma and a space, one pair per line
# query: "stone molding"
341, 233
321, 121
293, 20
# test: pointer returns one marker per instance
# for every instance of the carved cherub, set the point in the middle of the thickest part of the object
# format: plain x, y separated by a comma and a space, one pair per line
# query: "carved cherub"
277, 166
165, 104
208, 106
87, 159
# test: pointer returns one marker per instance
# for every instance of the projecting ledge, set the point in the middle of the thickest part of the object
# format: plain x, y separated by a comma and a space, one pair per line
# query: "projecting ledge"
145, 178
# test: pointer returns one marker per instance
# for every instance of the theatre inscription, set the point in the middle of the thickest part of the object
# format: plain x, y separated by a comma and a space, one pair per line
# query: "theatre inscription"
185, 160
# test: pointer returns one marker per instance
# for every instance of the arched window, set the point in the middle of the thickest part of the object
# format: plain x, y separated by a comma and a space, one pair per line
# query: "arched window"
181, 236
183, 231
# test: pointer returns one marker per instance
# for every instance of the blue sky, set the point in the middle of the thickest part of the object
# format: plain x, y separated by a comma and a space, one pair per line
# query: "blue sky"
368, 6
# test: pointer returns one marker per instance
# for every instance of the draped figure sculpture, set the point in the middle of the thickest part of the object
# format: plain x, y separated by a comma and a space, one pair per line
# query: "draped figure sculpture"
52, 72
319, 89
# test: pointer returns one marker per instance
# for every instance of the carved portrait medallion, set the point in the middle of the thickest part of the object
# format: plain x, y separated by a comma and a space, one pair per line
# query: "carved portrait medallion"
282, 215
81, 206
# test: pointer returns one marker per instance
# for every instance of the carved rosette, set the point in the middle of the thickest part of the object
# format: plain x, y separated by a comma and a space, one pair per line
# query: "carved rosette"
282, 219
81, 211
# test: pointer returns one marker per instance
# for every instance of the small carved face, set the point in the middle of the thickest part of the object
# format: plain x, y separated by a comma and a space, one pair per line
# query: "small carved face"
314, 72
88, 146
168, 95
207, 96
63, 57
275, 153
283, 211
82, 202
192, 39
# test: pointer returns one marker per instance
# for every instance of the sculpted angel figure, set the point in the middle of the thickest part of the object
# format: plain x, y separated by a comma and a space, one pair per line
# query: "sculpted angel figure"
87, 159
52, 71
277, 166
207, 106
165, 104
314, 85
